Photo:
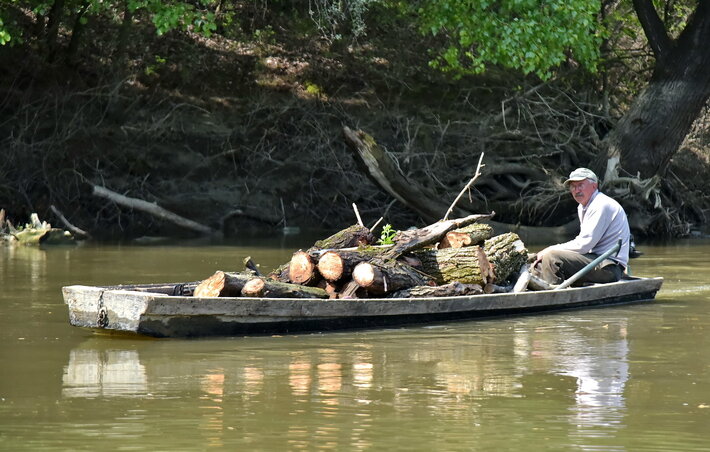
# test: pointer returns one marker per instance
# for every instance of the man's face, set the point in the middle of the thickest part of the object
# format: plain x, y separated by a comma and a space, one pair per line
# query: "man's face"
582, 190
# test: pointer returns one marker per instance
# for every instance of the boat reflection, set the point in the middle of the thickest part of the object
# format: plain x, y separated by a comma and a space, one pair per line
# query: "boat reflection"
320, 391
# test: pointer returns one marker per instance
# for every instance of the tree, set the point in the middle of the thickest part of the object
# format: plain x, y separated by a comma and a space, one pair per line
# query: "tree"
652, 130
537, 37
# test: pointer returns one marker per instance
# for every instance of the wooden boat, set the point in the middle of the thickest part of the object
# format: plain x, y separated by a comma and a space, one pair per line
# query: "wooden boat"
153, 310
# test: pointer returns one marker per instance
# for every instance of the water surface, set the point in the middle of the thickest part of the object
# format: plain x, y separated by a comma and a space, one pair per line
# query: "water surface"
627, 378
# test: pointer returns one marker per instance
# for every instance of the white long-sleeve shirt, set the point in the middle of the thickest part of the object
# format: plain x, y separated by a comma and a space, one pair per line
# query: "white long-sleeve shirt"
602, 223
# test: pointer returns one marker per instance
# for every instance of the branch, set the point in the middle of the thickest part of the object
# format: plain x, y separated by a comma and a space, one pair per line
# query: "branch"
653, 27
468, 185
152, 209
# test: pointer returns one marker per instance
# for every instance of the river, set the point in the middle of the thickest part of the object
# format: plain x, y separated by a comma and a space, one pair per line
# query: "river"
628, 378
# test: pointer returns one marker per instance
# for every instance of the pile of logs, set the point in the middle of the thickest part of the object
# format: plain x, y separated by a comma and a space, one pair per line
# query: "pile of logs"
454, 257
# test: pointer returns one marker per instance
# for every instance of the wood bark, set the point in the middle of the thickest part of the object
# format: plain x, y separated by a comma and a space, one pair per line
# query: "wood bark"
494, 263
353, 236
222, 284
385, 278
406, 241
447, 290
260, 287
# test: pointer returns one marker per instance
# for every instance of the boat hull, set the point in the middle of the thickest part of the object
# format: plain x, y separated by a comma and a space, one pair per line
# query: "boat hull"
137, 309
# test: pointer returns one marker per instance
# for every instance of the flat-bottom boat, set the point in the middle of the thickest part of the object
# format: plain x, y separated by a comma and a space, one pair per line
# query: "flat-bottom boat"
161, 310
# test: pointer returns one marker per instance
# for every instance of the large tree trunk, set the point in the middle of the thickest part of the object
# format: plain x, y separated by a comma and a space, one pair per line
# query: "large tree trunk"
655, 126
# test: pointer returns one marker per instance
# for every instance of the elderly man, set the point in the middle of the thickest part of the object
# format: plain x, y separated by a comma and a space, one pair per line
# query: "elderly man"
602, 224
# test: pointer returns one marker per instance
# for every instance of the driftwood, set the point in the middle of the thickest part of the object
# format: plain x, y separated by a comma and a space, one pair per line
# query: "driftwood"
470, 235
70, 227
222, 284
381, 278
152, 209
447, 290
260, 287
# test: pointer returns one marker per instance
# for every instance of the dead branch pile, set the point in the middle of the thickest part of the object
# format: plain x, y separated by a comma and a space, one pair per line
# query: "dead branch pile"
453, 257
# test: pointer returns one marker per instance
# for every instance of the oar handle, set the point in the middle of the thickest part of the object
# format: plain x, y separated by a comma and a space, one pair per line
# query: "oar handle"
572, 279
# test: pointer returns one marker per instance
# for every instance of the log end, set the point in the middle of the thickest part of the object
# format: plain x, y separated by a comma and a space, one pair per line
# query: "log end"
212, 286
254, 288
331, 266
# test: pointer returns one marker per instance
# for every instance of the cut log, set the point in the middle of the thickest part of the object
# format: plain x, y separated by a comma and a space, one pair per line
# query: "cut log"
507, 253
260, 287
380, 279
447, 290
302, 269
493, 263
222, 284
335, 265
417, 238
473, 234
355, 235
453, 264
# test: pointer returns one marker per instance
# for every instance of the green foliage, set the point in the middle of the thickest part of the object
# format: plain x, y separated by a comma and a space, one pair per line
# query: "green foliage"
532, 36
387, 235
4, 33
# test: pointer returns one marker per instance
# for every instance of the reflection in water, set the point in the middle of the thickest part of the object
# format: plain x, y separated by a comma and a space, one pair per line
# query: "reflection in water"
334, 394
109, 373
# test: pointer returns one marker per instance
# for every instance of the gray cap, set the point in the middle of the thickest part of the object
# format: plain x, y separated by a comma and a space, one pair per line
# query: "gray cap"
581, 174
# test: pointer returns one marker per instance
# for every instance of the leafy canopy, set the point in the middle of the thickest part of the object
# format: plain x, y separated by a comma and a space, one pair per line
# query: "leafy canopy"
533, 36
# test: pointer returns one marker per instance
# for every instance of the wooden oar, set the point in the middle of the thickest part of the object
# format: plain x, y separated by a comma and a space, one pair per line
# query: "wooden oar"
572, 279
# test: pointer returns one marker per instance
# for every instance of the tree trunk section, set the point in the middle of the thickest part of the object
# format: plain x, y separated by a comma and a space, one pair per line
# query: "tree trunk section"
260, 287
472, 265
352, 236
222, 284
302, 269
379, 279
473, 234
335, 265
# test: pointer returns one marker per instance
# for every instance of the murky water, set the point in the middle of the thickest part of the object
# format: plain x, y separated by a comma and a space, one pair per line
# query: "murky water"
628, 378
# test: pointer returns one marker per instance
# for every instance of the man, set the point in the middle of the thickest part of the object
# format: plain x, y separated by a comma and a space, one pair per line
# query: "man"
603, 223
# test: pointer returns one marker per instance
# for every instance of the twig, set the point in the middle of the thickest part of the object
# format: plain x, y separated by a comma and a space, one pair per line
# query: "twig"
372, 228
66, 223
357, 214
468, 185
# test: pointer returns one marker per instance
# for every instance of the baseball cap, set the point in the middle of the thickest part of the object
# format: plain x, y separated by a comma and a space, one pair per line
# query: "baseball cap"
581, 174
